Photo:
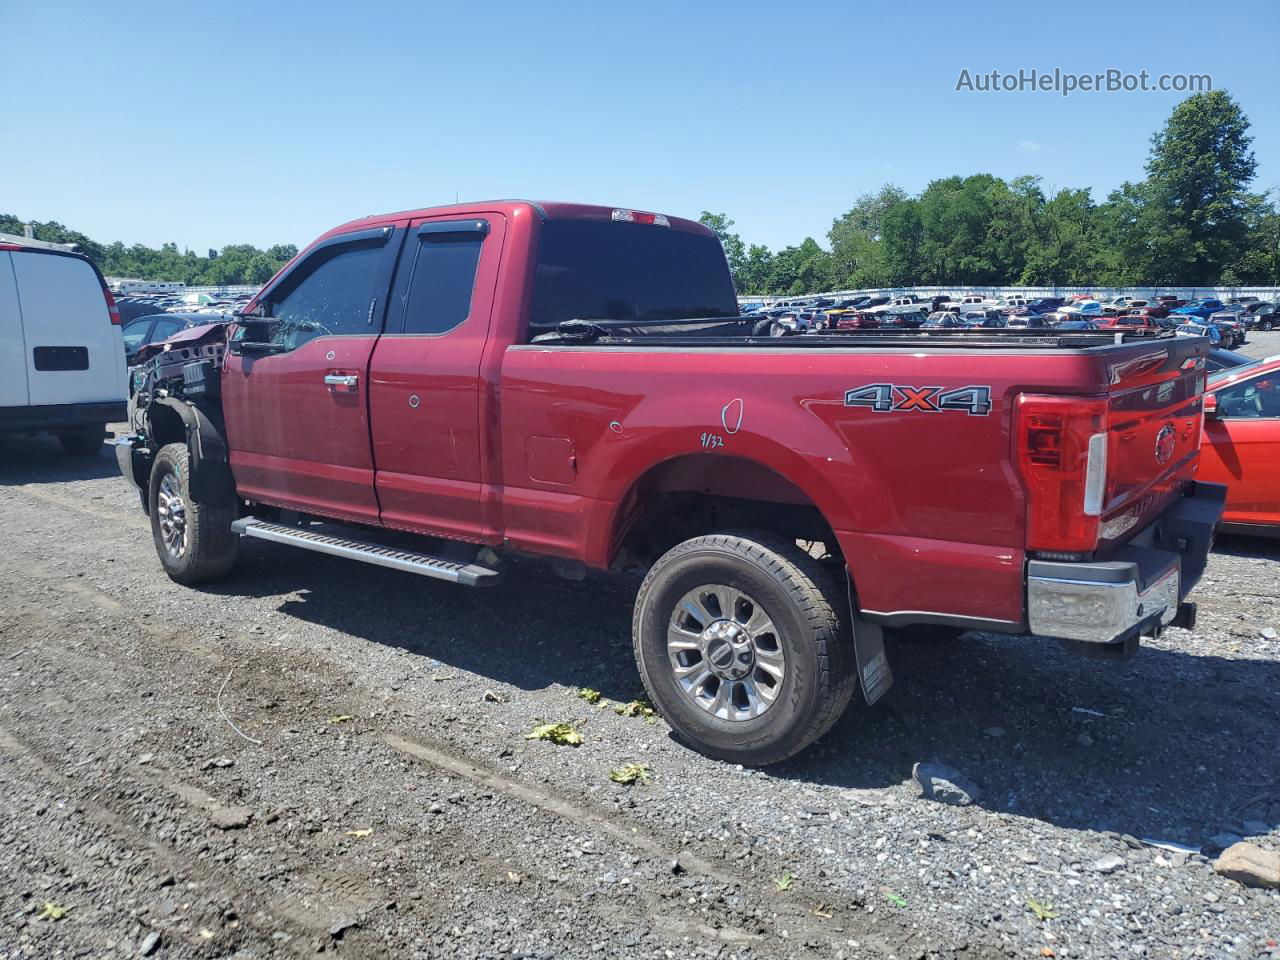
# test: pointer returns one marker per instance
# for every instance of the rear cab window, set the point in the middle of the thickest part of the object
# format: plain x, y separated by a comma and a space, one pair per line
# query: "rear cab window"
610, 270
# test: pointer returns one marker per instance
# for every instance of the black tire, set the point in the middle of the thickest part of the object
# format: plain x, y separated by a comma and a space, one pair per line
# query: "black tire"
819, 673
1265, 325
208, 551
83, 441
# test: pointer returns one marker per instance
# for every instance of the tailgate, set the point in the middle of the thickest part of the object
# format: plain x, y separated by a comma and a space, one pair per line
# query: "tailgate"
1154, 421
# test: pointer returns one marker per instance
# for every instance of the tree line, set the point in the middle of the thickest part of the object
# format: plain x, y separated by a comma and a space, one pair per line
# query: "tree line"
237, 263
1191, 222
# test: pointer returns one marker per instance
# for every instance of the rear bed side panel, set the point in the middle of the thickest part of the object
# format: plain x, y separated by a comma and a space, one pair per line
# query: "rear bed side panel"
925, 501
13, 348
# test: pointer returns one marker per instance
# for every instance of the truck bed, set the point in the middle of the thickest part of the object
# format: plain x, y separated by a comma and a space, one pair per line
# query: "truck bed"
735, 332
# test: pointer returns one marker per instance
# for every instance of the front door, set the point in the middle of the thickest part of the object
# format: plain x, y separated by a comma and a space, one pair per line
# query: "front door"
1242, 449
297, 416
424, 378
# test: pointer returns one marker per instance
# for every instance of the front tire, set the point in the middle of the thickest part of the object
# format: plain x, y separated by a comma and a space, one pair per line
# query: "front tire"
193, 539
740, 647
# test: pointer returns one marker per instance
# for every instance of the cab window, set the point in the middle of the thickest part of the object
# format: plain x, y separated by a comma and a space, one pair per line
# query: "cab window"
331, 294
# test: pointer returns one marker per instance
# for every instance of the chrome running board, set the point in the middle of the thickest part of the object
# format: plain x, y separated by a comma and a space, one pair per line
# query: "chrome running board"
467, 574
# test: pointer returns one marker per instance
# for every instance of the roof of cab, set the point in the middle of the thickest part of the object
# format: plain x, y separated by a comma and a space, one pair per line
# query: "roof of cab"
546, 210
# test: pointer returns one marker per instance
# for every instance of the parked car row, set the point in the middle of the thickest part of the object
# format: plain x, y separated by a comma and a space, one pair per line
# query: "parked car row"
1226, 324
154, 317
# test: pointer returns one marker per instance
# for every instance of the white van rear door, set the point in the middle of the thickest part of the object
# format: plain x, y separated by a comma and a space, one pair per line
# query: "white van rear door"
74, 354
13, 368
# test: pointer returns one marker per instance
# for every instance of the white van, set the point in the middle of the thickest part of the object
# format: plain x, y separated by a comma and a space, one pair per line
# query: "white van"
62, 366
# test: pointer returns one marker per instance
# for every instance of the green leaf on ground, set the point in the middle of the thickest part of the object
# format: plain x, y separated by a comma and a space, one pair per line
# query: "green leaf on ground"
784, 882
560, 733
639, 707
341, 718
1042, 910
591, 696
894, 897
52, 911
362, 832
631, 773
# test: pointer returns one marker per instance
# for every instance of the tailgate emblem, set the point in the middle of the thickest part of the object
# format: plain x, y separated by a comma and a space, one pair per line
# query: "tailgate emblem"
1165, 441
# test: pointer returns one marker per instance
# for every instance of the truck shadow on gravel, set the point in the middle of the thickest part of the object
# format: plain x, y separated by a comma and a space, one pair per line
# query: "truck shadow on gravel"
1173, 745
41, 459
1180, 744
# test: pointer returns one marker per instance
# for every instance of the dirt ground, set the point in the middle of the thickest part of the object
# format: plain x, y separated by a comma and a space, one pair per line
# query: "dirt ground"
317, 756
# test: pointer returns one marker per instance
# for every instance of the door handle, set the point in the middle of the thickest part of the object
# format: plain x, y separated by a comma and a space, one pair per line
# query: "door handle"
341, 380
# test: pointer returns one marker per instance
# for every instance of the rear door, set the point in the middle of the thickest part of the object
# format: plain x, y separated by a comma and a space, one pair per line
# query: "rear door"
74, 353
297, 418
424, 394
13, 348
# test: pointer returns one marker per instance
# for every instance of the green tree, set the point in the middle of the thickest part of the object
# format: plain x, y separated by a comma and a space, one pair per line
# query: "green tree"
1198, 175
734, 248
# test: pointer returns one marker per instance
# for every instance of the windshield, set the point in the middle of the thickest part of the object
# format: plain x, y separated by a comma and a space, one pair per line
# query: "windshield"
605, 270
1219, 375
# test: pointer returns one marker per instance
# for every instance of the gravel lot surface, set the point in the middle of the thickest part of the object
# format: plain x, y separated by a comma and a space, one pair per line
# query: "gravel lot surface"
376, 796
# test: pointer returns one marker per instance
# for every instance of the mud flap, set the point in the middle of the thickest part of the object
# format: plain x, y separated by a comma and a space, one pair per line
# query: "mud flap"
874, 673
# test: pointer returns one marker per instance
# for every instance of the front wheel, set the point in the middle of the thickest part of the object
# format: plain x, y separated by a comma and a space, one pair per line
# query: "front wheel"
740, 647
193, 538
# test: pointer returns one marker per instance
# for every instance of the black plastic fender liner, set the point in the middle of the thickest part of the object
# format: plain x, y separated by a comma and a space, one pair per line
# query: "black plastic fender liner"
211, 478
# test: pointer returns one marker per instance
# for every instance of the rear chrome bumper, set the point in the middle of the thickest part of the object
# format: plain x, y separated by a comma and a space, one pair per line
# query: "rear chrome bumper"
1139, 589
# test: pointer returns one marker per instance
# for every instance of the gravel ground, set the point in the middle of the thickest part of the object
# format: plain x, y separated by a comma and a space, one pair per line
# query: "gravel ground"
318, 756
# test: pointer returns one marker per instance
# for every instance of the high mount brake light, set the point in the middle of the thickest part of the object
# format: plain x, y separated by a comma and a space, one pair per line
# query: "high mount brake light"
1062, 455
636, 216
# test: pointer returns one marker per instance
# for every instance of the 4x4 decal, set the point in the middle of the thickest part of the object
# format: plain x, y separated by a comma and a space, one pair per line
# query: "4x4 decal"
888, 397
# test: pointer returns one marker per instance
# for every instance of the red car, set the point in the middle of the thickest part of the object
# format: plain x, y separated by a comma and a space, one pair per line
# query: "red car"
1131, 323
1153, 310
861, 320
1242, 444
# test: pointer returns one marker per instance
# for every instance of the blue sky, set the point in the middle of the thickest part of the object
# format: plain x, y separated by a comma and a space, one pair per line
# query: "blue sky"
215, 123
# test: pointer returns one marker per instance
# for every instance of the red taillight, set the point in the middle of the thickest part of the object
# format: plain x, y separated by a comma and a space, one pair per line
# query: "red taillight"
1062, 454
112, 309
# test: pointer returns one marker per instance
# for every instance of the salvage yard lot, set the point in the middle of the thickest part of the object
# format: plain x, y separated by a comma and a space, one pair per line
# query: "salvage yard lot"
391, 805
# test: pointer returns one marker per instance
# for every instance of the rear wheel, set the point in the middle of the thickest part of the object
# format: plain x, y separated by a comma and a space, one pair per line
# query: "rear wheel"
83, 441
740, 647
193, 539
1265, 325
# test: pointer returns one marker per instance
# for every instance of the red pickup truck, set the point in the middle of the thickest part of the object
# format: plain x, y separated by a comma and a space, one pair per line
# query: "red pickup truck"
434, 390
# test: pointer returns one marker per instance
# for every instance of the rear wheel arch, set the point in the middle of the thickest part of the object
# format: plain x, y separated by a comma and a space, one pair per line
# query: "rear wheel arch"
694, 494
